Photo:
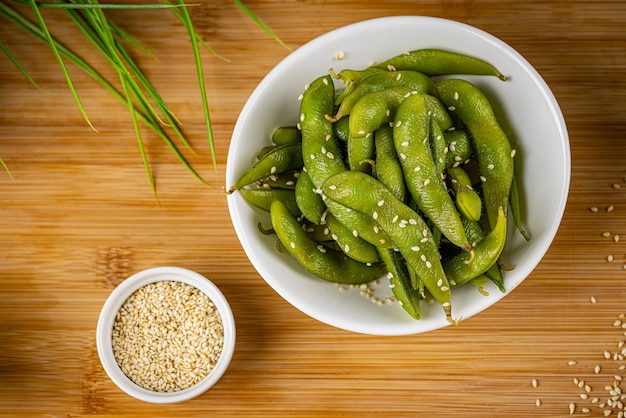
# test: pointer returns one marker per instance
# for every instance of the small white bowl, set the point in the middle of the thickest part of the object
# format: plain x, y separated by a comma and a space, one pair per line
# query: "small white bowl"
524, 101
122, 293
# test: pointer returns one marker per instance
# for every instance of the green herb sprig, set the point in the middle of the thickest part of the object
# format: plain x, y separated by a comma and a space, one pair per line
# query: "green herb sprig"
137, 93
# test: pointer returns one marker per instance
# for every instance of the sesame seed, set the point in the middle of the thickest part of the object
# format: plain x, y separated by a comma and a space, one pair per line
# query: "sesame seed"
593, 209
490, 166
381, 202
534, 383
538, 402
423, 257
456, 95
412, 221
330, 155
610, 208
376, 229
593, 299
332, 187
292, 244
609, 258
483, 179
596, 369
405, 144
426, 182
415, 248
452, 108
399, 76
606, 234
418, 168
321, 249
403, 156
302, 117
513, 152
394, 219
616, 186
571, 363
300, 97
398, 123
572, 408
346, 248
616, 238
355, 233
375, 215
323, 150
325, 81
312, 156
273, 169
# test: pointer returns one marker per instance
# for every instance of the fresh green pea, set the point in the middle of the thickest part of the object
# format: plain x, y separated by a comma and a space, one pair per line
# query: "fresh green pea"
308, 199
383, 80
400, 282
326, 264
286, 135
493, 149
387, 168
424, 182
349, 243
468, 202
435, 62
282, 158
320, 154
461, 269
263, 198
407, 230
460, 147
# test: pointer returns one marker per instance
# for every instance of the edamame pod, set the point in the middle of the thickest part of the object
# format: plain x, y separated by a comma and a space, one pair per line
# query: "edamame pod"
387, 168
349, 243
320, 154
326, 264
460, 147
407, 230
286, 135
400, 282
417, 82
467, 201
280, 159
424, 182
439, 62
263, 198
493, 149
460, 269
308, 199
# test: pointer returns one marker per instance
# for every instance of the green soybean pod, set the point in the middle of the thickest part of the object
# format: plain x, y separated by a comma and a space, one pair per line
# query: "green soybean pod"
280, 159
320, 154
475, 233
285, 180
286, 135
263, 198
332, 266
361, 152
433, 62
308, 199
400, 282
424, 182
407, 230
493, 149
486, 253
460, 147
351, 244
387, 168
467, 201
374, 109
417, 82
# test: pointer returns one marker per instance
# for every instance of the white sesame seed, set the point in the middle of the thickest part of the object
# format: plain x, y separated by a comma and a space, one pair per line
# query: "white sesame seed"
312, 156
381, 202
426, 182
399, 76
483, 179
490, 166
606, 234
596, 369
332, 187
302, 117
403, 156
513, 152
355, 233
593, 209
330, 155
571, 363
538, 402
572, 408
609, 258
415, 248
325, 81
292, 244
375, 215
593, 299
412, 221
534, 383
405, 144
456, 95
452, 108
394, 219
398, 123
346, 248
616, 238
616, 186
610, 208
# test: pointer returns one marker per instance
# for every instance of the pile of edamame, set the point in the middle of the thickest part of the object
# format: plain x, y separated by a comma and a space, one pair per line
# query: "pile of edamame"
401, 172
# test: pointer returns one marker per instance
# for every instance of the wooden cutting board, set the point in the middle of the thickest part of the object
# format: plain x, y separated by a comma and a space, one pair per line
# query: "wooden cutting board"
78, 216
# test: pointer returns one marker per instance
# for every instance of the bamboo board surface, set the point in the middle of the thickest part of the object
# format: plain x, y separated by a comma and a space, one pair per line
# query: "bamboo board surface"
78, 217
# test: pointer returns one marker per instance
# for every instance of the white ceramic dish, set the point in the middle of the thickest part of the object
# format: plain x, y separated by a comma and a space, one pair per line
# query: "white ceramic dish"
526, 105
115, 302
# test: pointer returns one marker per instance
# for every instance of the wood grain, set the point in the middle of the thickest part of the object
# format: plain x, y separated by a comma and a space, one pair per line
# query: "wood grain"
78, 216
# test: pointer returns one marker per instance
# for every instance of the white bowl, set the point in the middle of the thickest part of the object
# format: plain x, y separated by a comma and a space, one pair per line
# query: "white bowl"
526, 103
115, 302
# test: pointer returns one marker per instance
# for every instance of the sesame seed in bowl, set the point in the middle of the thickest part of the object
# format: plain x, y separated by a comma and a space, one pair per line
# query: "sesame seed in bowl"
165, 335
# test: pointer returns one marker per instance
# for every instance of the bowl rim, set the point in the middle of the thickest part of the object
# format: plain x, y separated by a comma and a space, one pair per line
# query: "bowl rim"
493, 42
119, 296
